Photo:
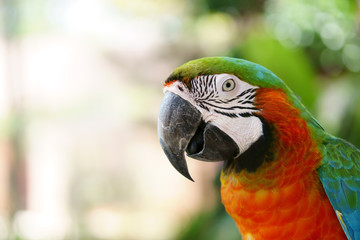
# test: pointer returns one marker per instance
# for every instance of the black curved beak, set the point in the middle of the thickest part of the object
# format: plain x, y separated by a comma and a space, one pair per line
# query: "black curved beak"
181, 128
177, 124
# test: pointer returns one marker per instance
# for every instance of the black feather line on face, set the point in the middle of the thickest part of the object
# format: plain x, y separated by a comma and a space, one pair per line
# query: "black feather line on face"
211, 81
235, 115
231, 115
246, 114
250, 97
248, 102
248, 91
205, 94
204, 107
230, 108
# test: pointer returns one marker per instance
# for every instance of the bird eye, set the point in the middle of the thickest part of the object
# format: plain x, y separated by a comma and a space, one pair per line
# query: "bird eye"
228, 85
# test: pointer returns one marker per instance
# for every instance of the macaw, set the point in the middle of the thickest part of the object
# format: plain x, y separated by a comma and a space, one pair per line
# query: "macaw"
283, 176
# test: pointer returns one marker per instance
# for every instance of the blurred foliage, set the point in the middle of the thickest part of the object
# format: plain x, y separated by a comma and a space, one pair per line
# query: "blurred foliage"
300, 77
350, 122
324, 29
233, 7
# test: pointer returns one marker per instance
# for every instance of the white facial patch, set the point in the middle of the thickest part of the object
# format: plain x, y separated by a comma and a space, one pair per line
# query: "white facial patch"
226, 102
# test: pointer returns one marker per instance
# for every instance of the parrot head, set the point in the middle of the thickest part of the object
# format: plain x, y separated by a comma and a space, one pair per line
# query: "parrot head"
212, 111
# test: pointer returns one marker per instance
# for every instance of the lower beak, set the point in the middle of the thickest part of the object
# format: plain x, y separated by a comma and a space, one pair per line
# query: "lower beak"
181, 128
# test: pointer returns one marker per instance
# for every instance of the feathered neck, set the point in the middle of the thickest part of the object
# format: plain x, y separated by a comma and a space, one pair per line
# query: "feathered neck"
291, 152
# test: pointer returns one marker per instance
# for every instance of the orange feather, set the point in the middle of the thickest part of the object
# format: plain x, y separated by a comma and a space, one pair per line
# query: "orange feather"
282, 199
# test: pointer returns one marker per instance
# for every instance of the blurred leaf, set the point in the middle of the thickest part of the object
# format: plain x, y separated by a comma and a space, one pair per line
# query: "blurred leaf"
235, 6
290, 64
350, 126
232, 7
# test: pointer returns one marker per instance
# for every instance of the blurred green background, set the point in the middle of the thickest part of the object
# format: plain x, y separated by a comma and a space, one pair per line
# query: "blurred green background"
81, 84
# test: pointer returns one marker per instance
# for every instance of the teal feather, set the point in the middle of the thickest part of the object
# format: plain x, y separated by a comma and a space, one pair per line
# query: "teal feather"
340, 176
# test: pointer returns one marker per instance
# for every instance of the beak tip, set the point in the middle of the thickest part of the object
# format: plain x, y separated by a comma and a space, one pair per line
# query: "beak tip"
177, 159
188, 177
184, 172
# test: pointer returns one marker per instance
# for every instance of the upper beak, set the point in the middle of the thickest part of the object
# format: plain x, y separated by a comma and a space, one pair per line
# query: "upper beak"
177, 124
181, 128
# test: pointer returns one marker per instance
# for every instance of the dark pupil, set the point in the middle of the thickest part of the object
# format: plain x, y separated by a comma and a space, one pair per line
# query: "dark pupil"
228, 85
